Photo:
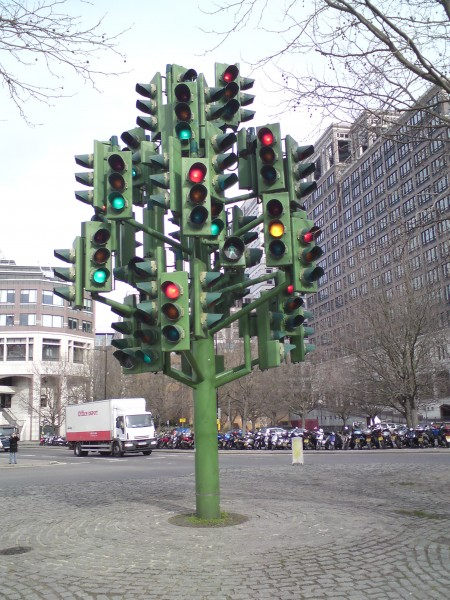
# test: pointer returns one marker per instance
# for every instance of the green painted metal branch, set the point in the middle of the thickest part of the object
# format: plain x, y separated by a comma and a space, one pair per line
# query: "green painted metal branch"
249, 307
241, 370
124, 310
241, 198
249, 226
178, 375
158, 236
245, 284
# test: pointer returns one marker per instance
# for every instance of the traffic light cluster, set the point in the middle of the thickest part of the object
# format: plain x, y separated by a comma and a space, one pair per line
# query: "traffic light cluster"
186, 155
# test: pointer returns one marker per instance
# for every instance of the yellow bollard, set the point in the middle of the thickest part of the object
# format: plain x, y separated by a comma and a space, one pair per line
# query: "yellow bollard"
297, 451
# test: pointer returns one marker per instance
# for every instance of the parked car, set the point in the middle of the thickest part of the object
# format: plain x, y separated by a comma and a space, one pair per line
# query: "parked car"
4, 443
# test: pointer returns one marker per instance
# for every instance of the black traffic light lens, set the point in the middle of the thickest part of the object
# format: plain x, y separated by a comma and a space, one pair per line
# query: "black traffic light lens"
101, 256
101, 237
172, 333
292, 304
294, 322
267, 155
198, 194
117, 182
182, 93
199, 216
171, 311
183, 112
231, 91
275, 208
269, 174
117, 163
277, 248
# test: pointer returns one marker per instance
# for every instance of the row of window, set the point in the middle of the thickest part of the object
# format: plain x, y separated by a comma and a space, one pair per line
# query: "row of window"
21, 349
30, 297
26, 319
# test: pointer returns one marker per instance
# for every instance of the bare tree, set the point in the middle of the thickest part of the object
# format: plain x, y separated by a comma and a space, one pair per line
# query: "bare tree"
335, 388
302, 398
39, 37
349, 55
392, 338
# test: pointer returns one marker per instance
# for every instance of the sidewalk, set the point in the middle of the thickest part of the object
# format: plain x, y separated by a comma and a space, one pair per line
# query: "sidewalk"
335, 531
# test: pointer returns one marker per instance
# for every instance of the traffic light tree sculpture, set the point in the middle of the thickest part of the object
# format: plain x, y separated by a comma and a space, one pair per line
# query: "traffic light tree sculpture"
183, 161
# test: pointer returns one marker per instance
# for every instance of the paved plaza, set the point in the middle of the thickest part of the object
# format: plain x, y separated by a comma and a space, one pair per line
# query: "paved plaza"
335, 531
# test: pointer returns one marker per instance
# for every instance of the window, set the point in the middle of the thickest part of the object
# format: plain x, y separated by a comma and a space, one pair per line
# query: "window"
371, 232
27, 319
48, 297
429, 235
16, 349
86, 326
368, 199
357, 208
420, 156
50, 349
88, 305
358, 223
28, 296
403, 150
395, 214
414, 263
393, 198
380, 207
407, 187
431, 255
379, 189
347, 215
72, 323
382, 224
436, 145
438, 164
422, 176
6, 320
391, 180
405, 168
370, 215
78, 352
409, 206
7, 296
441, 185
424, 196
52, 321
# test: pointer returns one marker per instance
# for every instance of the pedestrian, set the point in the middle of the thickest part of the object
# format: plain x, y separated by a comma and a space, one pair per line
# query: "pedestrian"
13, 448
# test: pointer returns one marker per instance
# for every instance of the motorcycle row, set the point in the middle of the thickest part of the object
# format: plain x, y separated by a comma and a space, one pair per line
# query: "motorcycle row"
52, 440
355, 438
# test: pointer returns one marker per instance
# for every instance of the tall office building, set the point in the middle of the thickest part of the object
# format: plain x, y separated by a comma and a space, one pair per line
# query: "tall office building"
44, 349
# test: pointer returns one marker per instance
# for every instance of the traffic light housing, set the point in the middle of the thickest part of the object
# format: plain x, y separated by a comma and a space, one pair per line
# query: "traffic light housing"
139, 350
277, 229
174, 311
296, 169
119, 185
73, 293
95, 178
196, 199
183, 98
269, 159
98, 256
152, 106
226, 98
302, 346
305, 272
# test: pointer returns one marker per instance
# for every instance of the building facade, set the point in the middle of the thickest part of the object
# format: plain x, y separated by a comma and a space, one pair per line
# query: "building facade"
379, 179
45, 350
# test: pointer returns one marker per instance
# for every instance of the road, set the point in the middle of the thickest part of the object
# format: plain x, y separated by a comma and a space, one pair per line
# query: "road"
345, 525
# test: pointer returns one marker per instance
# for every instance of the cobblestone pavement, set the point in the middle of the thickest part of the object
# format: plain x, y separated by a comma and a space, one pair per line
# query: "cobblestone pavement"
314, 531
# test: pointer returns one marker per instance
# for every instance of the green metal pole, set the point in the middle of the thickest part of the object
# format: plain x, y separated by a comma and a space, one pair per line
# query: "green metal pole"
207, 487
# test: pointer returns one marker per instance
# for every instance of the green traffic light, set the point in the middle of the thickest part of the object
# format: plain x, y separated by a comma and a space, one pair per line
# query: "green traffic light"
215, 230
183, 131
117, 201
100, 276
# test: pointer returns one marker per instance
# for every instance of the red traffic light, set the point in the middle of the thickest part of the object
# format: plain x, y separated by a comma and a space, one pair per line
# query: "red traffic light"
310, 235
230, 74
266, 137
197, 173
171, 290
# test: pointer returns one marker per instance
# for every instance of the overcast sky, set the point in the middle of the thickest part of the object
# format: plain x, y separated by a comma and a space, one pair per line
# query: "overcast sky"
40, 212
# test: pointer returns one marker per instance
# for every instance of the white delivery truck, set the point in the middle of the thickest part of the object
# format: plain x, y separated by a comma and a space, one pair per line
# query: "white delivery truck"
113, 426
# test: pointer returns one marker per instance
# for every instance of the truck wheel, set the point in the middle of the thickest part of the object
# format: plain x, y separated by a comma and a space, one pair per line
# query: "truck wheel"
146, 452
117, 450
78, 451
